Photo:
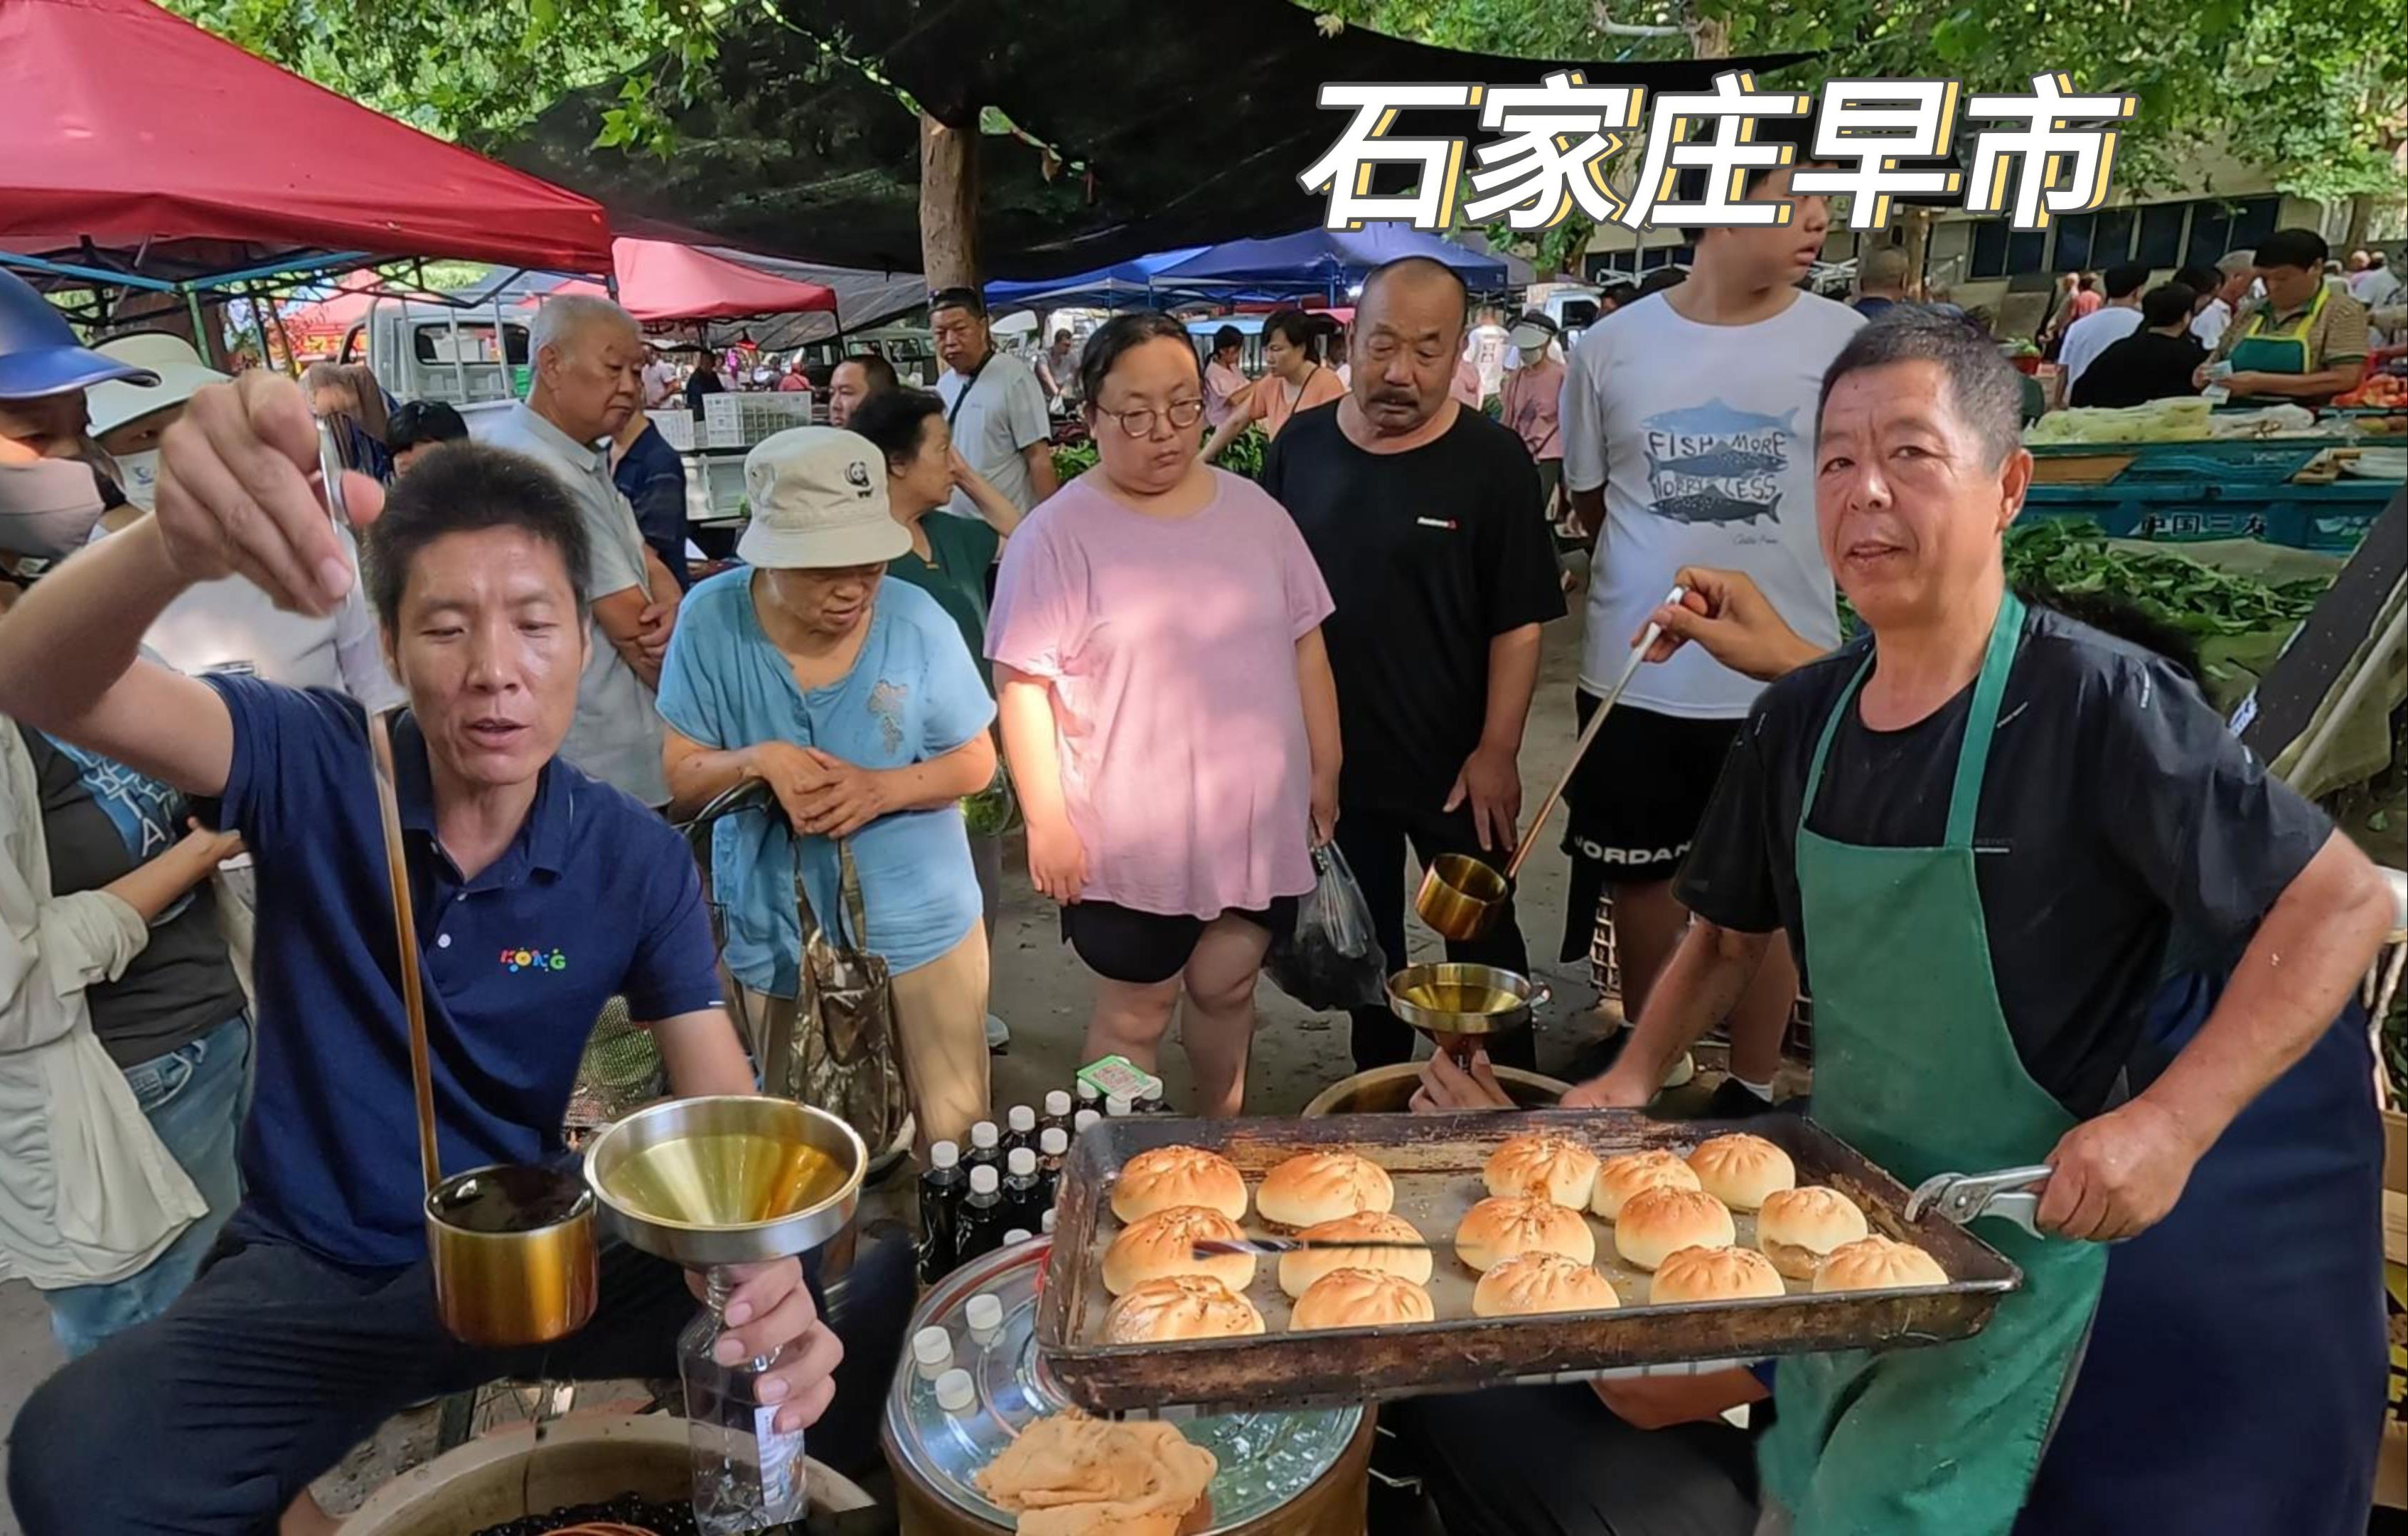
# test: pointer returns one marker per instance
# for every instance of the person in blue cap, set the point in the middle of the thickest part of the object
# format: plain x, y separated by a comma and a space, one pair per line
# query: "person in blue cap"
51, 490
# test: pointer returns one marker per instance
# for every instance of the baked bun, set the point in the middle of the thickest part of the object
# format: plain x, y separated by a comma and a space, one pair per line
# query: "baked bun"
1358, 1299
1159, 1246
1621, 1177
1664, 1220
1298, 1270
1877, 1263
1528, 1284
1740, 1169
1502, 1226
1168, 1176
1797, 1226
1185, 1306
1714, 1274
1553, 1167
1317, 1186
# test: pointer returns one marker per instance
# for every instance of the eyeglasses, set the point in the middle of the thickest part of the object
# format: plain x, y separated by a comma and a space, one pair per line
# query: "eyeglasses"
1182, 414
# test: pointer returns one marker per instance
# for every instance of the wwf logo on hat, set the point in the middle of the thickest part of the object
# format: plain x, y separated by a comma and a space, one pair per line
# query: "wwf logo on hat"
856, 475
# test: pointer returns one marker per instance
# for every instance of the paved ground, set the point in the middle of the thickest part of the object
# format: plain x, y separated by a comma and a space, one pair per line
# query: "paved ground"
1040, 990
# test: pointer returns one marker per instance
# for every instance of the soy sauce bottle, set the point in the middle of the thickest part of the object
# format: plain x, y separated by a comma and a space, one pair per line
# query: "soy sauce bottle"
986, 1149
1021, 1131
940, 1193
1052, 1149
980, 1225
1056, 1115
1084, 1121
1024, 1193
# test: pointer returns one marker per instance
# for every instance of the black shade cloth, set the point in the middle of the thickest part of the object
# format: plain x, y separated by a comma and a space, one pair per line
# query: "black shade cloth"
1193, 125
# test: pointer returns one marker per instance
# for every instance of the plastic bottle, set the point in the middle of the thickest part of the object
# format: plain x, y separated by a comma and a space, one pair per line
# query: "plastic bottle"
1021, 1130
1117, 1108
1084, 1121
980, 1225
1149, 1101
1056, 1115
940, 1192
1090, 1097
748, 1473
932, 1353
986, 1148
1024, 1192
1053, 1148
957, 1395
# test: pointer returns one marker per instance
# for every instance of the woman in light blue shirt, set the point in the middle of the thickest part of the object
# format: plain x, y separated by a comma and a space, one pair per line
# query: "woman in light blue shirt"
856, 700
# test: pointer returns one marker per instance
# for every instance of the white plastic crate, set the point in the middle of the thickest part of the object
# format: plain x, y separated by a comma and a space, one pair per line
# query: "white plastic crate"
677, 426
733, 420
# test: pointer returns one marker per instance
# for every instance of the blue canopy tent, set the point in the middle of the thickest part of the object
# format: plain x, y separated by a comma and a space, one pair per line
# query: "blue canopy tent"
1332, 261
1129, 282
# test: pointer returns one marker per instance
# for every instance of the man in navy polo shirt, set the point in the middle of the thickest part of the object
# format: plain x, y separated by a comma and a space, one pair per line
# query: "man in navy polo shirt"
539, 893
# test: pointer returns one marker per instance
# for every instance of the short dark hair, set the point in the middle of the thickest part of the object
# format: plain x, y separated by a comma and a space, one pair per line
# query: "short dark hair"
1293, 327
2200, 280
1380, 273
468, 488
1690, 184
2168, 304
1985, 389
2125, 280
1617, 293
2301, 248
1662, 278
2087, 283
1120, 336
874, 366
958, 298
1226, 337
895, 419
423, 423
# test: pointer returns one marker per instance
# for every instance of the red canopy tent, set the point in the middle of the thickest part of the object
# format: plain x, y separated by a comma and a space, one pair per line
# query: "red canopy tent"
142, 149
661, 280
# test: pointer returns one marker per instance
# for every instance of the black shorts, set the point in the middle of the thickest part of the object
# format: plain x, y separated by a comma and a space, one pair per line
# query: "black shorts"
1633, 809
1145, 949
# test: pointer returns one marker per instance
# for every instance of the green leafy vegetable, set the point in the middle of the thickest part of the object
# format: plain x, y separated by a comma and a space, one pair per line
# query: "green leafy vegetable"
1073, 461
2072, 555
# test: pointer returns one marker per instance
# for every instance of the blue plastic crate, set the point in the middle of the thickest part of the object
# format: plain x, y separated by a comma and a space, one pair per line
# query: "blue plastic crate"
2326, 517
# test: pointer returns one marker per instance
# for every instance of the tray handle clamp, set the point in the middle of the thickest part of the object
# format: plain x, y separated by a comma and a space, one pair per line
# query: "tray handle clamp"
2013, 1193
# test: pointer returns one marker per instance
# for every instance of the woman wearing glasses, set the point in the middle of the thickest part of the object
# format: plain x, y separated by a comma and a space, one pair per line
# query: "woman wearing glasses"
1168, 712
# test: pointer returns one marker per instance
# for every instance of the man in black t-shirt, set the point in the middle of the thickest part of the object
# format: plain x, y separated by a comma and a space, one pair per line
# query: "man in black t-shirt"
2154, 363
1425, 520
1979, 829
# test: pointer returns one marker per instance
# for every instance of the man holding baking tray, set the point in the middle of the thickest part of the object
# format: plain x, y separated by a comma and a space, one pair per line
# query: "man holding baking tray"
1979, 828
313, 1317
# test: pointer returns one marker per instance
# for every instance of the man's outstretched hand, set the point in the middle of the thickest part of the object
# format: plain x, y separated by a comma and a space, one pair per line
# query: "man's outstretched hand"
237, 494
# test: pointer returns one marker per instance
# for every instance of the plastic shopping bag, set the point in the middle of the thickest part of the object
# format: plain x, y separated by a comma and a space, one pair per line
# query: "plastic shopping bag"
1332, 958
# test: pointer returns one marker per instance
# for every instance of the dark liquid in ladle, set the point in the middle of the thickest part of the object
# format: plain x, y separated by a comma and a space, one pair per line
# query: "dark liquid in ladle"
515, 1198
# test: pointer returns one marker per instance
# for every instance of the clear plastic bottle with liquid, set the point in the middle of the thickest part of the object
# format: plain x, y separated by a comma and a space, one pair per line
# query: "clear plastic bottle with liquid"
748, 1475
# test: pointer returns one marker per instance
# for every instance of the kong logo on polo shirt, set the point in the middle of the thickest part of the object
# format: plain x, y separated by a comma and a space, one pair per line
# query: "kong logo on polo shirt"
328, 1155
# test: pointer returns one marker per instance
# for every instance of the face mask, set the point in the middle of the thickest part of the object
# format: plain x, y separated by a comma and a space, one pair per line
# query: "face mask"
139, 474
48, 510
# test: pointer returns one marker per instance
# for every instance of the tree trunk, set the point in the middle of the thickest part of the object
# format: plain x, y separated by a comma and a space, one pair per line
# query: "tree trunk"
1918, 222
949, 204
1709, 38
2361, 211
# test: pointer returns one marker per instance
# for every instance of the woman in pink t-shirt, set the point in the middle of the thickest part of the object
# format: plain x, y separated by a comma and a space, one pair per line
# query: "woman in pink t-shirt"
1167, 712
1294, 379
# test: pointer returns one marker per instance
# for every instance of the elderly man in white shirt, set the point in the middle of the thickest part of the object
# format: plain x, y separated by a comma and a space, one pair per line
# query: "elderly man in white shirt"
2237, 269
589, 362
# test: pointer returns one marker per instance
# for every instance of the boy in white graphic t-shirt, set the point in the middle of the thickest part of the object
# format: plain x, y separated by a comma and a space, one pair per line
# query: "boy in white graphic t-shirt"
1688, 424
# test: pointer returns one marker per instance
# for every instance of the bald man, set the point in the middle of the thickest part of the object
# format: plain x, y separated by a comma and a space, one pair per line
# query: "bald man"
589, 381
1881, 280
1426, 521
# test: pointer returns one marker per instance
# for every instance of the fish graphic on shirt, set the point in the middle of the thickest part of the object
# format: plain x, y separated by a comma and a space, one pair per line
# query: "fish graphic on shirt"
1717, 463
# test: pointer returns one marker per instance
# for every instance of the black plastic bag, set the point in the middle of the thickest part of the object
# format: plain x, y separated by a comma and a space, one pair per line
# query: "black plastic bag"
1332, 958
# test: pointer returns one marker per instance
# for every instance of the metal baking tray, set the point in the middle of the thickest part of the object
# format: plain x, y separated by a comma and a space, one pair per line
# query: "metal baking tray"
1435, 1163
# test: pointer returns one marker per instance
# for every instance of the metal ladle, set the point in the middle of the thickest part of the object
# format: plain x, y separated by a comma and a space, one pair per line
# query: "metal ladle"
512, 1245
1460, 895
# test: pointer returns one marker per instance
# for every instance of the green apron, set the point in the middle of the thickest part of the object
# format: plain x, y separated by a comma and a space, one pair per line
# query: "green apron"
1915, 1067
2285, 352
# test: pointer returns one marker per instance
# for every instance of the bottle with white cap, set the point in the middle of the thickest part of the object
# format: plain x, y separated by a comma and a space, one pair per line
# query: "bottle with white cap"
1021, 1129
978, 1228
1149, 1099
958, 1395
983, 1312
1024, 1199
1056, 1115
1090, 1097
1053, 1150
1085, 1119
1045, 1228
1117, 1107
986, 1147
932, 1352
941, 1194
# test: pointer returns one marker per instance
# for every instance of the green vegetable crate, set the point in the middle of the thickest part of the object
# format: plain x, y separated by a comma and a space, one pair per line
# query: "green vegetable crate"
2187, 491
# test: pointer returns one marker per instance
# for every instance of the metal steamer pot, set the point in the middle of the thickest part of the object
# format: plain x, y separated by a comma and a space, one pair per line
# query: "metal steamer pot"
1280, 1473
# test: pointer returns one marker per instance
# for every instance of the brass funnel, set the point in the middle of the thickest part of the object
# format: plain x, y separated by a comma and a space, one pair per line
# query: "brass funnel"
736, 1179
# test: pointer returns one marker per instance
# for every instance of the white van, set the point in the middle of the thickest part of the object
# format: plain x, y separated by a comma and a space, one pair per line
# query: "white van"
423, 350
